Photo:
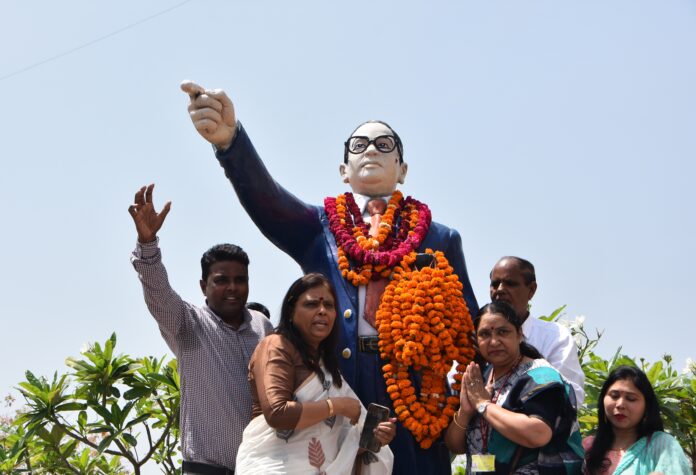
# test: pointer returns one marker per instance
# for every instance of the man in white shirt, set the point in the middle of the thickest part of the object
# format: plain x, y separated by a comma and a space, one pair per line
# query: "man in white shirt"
513, 281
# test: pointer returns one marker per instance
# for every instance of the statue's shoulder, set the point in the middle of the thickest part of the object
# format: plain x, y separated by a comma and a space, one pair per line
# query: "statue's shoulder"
442, 230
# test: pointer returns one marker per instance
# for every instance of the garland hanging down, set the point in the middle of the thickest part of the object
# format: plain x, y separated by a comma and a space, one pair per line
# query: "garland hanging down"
423, 321
424, 325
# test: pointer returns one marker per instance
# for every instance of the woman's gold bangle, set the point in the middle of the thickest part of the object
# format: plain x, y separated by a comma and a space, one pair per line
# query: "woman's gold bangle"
454, 419
330, 404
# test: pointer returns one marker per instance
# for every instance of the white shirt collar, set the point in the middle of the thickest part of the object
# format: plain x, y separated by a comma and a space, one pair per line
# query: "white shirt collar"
361, 201
528, 325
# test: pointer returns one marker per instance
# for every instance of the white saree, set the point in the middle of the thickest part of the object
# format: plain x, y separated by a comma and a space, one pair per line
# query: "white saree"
327, 448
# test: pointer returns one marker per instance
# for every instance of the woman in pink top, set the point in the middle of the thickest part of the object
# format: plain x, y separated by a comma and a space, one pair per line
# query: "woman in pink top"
630, 438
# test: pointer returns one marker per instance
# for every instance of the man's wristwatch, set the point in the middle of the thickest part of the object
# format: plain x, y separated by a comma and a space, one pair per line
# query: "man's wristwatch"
481, 408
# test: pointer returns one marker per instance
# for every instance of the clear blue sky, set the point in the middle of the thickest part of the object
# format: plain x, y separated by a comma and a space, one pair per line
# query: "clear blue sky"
562, 132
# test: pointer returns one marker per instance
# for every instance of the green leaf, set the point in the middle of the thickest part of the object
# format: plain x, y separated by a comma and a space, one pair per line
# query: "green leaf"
121, 371
84, 457
43, 434
33, 389
100, 428
104, 444
132, 367
109, 347
33, 379
68, 449
116, 414
654, 372
79, 365
132, 441
162, 379
82, 419
102, 411
70, 406
138, 420
57, 434
136, 393
555, 315
126, 410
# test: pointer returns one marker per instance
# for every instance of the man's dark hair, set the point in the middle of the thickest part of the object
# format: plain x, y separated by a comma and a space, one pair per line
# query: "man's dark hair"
397, 139
327, 348
604, 437
220, 253
526, 267
259, 307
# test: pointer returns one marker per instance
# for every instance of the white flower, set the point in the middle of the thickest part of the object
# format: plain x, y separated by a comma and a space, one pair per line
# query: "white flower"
579, 340
85, 348
574, 325
689, 367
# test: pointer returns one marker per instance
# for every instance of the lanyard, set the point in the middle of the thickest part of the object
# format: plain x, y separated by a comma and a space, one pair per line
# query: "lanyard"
483, 424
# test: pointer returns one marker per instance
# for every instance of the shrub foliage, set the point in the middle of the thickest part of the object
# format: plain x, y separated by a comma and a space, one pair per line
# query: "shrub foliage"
111, 414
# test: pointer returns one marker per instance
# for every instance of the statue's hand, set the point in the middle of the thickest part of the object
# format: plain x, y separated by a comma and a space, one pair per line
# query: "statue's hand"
212, 114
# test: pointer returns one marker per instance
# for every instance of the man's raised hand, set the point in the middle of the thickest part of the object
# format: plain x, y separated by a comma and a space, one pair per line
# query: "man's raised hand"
147, 220
212, 114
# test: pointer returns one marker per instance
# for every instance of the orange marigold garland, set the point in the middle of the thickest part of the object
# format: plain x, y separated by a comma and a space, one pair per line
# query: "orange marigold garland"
423, 321
424, 324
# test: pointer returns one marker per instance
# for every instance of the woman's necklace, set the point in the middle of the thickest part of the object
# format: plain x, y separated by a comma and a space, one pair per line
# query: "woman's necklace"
484, 427
506, 375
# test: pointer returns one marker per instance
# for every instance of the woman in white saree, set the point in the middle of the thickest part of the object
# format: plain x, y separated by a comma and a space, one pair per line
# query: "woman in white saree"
311, 419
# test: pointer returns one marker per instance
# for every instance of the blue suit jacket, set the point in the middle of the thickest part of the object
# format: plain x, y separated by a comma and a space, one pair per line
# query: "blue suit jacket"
302, 231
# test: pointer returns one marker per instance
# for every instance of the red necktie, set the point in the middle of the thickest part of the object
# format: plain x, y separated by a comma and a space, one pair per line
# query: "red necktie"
375, 288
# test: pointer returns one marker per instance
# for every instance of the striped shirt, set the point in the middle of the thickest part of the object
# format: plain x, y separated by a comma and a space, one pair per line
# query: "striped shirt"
213, 361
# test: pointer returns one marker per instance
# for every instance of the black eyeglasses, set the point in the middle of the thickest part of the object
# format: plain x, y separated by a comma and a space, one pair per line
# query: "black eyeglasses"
383, 143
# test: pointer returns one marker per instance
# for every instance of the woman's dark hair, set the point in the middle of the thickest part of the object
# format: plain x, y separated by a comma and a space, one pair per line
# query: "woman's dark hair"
327, 348
508, 313
604, 437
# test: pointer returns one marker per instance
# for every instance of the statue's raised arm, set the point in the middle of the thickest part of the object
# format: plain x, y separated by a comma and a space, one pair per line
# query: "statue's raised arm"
283, 218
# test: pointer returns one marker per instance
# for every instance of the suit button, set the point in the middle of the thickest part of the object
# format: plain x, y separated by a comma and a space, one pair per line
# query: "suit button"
346, 353
348, 313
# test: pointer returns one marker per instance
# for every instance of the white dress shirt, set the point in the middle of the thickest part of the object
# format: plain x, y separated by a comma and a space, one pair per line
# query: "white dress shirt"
364, 328
557, 346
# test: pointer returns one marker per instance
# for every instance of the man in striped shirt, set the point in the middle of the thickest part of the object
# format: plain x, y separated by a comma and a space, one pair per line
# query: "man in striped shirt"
213, 343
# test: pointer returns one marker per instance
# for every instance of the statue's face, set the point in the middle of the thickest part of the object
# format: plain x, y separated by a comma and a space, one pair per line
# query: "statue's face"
373, 172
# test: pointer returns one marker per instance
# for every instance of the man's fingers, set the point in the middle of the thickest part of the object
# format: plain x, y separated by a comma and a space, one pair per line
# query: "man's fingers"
206, 126
131, 210
192, 89
205, 114
204, 101
219, 94
148, 193
140, 196
165, 211
228, 115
